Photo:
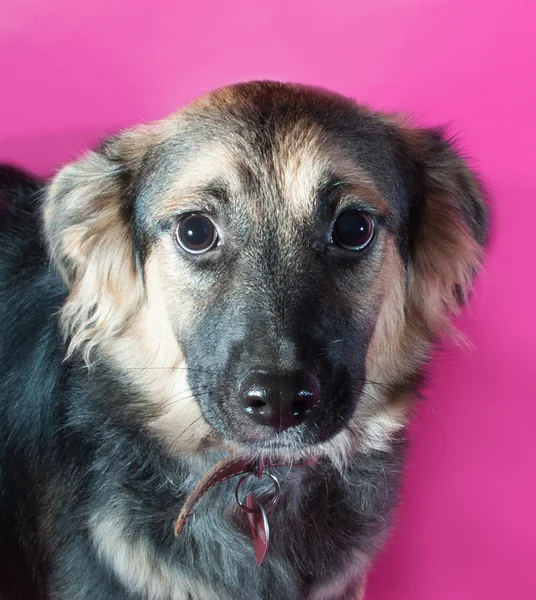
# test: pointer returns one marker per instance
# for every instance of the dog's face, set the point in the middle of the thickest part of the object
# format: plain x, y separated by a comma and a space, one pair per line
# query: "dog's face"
269, 267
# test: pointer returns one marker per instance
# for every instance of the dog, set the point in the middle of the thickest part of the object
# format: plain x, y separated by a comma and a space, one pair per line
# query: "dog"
252, 287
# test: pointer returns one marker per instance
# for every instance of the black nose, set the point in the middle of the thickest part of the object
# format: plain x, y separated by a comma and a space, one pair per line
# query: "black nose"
279, 400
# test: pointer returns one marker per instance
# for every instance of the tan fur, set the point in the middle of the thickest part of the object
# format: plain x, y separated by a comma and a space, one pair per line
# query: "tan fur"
94, 251
299, 161
219, 160
147, 351
133, 563
446, 255
90, 241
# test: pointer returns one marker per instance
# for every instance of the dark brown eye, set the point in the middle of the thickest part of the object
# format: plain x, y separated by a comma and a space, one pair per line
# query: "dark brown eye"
353, 230
196, 234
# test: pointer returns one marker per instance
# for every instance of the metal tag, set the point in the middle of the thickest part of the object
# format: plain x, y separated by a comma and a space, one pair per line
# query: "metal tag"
258, 527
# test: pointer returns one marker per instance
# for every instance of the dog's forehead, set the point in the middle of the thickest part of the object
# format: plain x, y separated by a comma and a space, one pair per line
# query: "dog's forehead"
288, 167
283, 143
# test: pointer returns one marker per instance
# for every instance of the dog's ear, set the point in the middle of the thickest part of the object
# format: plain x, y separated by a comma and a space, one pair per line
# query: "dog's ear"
89, 226
448, 227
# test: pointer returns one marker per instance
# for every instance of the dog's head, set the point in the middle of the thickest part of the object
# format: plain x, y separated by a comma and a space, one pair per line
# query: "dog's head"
269, 267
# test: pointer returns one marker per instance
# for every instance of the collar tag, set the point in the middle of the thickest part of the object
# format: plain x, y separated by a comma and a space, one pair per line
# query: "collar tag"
258, 528
257, 515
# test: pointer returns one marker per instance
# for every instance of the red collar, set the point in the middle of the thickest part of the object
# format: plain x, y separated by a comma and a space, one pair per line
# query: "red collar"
228, 468
257, 515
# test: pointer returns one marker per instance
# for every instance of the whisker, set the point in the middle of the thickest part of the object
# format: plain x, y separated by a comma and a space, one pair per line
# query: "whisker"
183, 432
380, 406
379, 366
378, 383
337, 341
174, 368
181, 396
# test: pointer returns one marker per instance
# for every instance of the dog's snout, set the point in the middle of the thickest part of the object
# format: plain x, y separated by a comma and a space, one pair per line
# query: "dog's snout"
279, 400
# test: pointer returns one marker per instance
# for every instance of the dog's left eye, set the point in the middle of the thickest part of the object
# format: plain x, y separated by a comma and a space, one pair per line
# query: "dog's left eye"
353, 230
196, 233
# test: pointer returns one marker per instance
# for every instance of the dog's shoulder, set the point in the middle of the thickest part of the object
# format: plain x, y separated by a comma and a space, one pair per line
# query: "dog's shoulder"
30, 295
20, 201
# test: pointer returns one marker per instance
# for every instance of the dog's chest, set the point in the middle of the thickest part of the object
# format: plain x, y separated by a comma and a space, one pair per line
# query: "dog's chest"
313, 544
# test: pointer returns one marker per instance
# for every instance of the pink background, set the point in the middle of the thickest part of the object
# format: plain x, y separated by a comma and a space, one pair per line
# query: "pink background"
73, 72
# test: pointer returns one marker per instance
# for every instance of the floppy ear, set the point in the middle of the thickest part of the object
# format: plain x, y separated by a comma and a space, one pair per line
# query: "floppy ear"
88, 221
448, 228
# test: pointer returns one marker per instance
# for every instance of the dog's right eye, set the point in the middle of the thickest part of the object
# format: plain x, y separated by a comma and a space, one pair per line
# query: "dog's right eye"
196, 233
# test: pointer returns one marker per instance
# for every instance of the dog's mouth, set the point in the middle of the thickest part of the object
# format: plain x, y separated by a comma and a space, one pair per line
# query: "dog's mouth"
276, 446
